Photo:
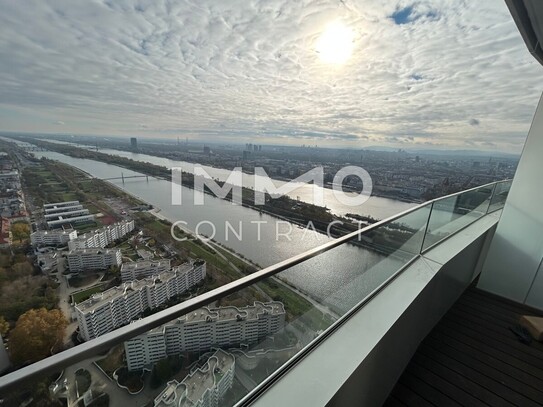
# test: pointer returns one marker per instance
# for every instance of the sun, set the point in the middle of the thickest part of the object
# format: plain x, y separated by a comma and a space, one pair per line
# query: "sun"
335, 45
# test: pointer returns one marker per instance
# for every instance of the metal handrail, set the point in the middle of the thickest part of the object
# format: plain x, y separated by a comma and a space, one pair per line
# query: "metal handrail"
107, 341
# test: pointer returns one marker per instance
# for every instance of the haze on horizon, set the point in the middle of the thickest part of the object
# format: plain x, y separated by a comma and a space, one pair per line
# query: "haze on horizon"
411, 74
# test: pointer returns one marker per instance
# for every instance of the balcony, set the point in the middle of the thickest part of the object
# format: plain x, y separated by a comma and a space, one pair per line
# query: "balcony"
352, 343
472, 357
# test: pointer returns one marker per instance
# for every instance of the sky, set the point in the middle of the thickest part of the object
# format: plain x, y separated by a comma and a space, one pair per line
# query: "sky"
412, 74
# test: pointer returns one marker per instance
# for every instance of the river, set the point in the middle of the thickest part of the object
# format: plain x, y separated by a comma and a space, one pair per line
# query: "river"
376, 207
339, 278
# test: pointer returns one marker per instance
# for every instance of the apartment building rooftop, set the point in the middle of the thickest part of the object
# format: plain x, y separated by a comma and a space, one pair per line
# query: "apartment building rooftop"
230, 313
193, 387
145, 264
92, 250
98, 299
60, 204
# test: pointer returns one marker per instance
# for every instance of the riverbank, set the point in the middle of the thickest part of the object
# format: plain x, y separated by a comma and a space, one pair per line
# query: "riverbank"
284, 207
396, 196
224, 265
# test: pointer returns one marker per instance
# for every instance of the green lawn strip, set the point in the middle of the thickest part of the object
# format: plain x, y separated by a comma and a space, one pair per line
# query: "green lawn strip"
83, 295
112, 361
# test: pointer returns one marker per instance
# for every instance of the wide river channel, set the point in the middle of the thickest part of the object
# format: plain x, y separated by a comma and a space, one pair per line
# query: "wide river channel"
338, 278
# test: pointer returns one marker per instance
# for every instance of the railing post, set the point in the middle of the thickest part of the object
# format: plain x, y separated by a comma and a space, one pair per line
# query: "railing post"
491, 197
426, 228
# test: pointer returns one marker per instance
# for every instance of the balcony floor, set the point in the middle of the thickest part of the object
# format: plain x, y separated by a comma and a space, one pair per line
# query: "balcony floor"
471, 358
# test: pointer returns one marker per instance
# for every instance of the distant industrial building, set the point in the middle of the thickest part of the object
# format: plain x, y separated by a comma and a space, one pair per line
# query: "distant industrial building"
93, 259
134, 143
113, 308
55, 237
203, 329
142, 269
102, 237
203, 387
62, 213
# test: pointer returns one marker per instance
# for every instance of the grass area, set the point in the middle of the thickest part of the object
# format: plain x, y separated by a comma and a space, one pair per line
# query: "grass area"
83, 295
316, 320
246, 268
295, 305
86, 227
83, 280
66, 183
112, 361
195, 249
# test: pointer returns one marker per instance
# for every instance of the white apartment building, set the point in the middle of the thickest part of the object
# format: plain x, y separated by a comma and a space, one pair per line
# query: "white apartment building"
204, 329
203, 387
55, 237
71, 220
93, 259
103, 236
113, 308
59, 205
60, 209
142, 269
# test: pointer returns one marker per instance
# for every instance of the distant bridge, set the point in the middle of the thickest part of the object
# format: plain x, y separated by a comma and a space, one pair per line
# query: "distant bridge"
123, 177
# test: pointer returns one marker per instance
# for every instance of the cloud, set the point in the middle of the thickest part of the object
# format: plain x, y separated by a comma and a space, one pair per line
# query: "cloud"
221, 70
60, 123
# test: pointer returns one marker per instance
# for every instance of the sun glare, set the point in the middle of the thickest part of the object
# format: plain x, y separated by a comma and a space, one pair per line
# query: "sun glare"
335, 45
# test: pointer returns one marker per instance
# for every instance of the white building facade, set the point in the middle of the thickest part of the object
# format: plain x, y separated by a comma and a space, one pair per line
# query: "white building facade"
55, 237
113, 308
204, 329
102, 237
60, 213
93, 259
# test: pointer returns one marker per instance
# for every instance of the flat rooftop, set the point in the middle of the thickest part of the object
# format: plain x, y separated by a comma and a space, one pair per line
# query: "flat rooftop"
60, 204
98, 299
472, 358
227, 313
145, 264
196, 383
53, 232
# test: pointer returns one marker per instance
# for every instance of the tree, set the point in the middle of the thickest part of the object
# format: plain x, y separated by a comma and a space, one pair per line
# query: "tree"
36, 333
23, 269
162, 372
20, 231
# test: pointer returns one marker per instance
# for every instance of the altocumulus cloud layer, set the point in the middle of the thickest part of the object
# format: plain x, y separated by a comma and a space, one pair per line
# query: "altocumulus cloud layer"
443, 72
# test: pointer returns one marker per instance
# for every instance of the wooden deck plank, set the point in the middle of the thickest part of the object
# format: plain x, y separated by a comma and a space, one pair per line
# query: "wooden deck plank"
487, 397
505, 343
471, 358
471, 373
533, 374
427, 391
492, 370
446, 387
409, 397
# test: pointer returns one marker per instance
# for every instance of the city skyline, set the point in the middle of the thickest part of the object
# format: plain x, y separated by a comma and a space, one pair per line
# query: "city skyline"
405, 74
